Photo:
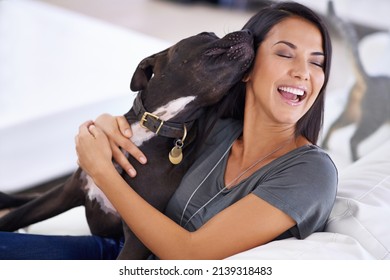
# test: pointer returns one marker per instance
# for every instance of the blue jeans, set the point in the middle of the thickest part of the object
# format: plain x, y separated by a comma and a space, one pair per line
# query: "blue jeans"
20, 246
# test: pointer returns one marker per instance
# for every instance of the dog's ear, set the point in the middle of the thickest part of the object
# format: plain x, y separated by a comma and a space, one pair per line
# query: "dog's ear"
144, 71
142, 74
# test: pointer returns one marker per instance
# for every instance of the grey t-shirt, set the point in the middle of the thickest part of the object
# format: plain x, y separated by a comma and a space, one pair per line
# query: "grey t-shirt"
301, 183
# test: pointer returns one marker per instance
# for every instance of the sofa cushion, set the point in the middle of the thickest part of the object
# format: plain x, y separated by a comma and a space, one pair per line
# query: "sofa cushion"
362, 208
317, 246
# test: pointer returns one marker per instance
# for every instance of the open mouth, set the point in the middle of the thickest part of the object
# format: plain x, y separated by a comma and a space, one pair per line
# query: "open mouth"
292, 94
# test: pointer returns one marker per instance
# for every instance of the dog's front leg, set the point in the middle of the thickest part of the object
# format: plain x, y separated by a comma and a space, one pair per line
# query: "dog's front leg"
15, 200
56, 201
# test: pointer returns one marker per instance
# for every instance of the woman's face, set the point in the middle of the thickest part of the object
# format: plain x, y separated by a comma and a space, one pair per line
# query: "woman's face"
288, 71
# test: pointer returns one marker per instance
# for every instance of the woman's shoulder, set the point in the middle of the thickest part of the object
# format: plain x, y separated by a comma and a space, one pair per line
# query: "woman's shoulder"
308, 168
303, 184
310, 154
312, 163
320, 158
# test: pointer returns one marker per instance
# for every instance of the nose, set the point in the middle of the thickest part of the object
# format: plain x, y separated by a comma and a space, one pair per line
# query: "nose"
247, 31
300, 70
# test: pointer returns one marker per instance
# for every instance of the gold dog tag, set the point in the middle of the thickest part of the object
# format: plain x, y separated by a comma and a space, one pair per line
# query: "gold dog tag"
176, 155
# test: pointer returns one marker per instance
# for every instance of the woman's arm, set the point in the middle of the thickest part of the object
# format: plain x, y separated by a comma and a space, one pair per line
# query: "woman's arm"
248, 223
119, 133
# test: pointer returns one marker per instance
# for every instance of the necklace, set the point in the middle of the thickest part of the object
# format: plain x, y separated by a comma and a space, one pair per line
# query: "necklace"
284, 144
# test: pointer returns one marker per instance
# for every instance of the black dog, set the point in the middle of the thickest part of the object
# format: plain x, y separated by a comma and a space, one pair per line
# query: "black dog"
174, 87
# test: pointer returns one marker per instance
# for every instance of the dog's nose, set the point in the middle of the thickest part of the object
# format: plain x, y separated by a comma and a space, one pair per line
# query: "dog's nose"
247, 31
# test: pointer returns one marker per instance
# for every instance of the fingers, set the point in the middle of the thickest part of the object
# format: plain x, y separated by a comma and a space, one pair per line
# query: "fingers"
124, 126
119, 132
127, 145
93, 130
122, 160
88, 129
93, 149
83, 130
134, 151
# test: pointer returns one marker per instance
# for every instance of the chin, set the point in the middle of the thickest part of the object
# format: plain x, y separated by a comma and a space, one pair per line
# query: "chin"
290, 118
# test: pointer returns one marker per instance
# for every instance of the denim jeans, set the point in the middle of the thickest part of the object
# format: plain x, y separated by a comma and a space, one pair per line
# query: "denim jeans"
21, 246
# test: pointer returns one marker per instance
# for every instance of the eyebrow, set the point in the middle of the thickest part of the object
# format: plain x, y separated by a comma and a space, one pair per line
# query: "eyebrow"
294, 47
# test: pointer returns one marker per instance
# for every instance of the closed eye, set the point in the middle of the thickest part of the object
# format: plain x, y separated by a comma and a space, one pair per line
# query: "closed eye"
284, 55
318, 59
317, 62
321, 65
287, 55
317, 56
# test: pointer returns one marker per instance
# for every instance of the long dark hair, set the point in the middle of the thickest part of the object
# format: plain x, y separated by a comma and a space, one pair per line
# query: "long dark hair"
260, 24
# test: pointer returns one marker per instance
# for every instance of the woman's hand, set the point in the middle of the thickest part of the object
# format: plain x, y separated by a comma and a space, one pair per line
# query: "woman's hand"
119, 133
93, 149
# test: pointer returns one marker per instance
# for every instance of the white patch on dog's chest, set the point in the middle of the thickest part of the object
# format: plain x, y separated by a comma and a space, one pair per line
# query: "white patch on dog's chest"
95, 193
140, 135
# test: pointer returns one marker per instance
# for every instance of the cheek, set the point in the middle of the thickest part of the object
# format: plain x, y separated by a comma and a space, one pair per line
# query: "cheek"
318, 82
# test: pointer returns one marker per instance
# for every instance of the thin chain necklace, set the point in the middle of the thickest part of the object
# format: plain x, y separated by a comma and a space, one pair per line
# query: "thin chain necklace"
284, 144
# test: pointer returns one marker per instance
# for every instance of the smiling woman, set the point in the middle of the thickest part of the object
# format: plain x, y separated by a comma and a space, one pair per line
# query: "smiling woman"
283, 70
258, 161
297, 93
258, 175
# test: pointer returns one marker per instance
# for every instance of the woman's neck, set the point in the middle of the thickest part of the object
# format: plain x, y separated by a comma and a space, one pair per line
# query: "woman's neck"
262, 135
261, 142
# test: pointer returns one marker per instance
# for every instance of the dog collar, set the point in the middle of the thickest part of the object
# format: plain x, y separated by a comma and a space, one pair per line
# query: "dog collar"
157, 125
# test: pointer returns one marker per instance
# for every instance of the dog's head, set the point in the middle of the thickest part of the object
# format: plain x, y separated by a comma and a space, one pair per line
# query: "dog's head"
203, 66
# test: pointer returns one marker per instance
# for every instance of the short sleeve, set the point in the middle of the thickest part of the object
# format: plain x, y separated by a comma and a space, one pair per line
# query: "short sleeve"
304, 187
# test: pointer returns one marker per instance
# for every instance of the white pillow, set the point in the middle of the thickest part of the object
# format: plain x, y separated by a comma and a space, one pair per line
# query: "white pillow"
362, 208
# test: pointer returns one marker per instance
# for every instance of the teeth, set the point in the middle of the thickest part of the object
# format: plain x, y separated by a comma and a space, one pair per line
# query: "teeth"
295, 91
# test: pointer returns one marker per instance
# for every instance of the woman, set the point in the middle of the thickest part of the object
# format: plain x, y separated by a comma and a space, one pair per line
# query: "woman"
259, 177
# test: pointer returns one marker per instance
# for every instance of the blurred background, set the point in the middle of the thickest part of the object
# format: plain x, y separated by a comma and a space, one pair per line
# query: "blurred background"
65, 62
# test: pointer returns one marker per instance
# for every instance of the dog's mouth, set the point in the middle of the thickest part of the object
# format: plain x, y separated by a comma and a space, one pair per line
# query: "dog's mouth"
236, 46
232, 52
